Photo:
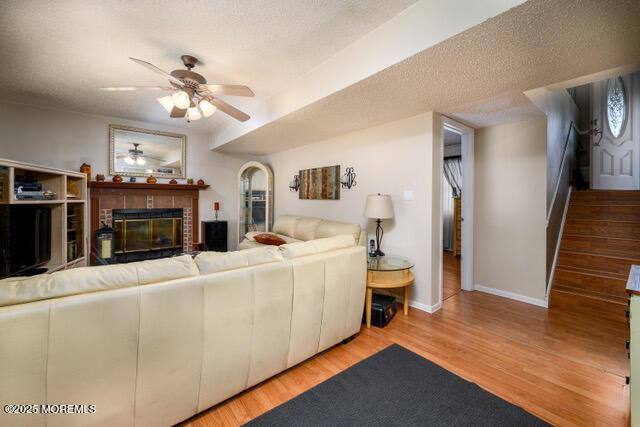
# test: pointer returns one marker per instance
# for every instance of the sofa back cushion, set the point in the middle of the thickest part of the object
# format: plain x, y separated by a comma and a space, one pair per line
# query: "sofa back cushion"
92, 279
285, 224
302, 228
214, 262
305, 228
165, 269
334, 228
312, 247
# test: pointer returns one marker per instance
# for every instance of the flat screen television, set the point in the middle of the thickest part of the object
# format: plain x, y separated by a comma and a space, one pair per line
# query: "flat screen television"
25, 239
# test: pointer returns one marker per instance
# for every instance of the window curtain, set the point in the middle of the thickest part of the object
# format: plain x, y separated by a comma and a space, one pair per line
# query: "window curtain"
453, 174
451, 187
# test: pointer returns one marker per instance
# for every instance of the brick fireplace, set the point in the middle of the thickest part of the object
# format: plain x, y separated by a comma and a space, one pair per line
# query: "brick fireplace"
109, 196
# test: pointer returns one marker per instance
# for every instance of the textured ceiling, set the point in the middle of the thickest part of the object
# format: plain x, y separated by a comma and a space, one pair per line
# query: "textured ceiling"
58, 53
479, 74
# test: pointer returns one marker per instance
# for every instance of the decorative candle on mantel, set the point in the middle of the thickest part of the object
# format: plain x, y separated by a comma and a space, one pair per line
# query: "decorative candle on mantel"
216, 208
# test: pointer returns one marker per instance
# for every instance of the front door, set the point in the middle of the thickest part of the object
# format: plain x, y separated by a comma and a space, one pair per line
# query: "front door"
615, 157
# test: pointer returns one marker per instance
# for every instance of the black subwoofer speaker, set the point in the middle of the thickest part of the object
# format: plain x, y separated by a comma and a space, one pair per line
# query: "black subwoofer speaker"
214, 235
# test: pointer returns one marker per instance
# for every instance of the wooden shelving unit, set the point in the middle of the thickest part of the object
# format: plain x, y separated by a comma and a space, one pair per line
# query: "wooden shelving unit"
69, 209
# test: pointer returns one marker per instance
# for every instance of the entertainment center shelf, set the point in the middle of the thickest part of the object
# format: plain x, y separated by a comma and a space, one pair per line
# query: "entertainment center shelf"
67, 209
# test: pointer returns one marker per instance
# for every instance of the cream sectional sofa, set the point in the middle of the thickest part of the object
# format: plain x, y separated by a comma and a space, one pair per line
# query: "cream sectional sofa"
155, 342
293, 229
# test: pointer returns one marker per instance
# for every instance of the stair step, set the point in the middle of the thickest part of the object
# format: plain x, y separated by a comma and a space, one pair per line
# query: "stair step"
591, 272
590, 282
602, 228
624, 248
611, 299
580, 304
604, 212
596, 262
610, 197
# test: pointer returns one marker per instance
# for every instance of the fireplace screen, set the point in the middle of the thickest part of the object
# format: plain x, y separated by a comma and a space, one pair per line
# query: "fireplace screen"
147, 233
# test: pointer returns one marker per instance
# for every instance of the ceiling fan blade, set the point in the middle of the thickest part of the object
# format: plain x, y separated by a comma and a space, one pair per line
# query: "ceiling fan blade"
158, 70
130, 88
230, 110
178, 112
233, 90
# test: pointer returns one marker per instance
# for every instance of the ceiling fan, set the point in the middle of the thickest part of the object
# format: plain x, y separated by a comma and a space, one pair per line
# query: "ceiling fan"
135, 156
191, 96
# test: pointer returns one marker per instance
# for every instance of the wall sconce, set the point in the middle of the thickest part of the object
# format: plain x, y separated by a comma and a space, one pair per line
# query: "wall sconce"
295, 184
349, 178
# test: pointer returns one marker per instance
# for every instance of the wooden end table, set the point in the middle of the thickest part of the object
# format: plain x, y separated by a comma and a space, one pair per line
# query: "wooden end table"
388, 272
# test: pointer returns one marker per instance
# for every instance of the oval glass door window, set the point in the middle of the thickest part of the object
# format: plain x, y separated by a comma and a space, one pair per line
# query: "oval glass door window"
616, 106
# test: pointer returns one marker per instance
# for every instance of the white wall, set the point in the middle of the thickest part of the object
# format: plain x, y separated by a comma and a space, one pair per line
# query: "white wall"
561, 111
509, 209
387, 159
66, 140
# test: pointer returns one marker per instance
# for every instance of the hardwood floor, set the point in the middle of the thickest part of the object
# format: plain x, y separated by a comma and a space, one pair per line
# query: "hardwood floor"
451, 284
565, 364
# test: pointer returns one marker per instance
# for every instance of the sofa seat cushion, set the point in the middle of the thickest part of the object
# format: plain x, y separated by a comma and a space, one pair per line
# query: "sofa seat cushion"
269, 239
214, 262
316, 246
93, 279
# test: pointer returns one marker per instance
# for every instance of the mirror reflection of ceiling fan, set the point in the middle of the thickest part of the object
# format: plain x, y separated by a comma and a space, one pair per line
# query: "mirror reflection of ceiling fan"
135, 156
191, 96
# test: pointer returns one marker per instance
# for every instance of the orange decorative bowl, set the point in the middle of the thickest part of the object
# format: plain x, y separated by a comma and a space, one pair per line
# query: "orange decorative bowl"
117, 178
151, 180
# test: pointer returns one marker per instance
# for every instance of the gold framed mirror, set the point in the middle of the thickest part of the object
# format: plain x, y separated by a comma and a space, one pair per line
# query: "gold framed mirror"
144, 152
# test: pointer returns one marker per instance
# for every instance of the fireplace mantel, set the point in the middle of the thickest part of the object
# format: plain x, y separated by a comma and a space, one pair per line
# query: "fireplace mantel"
145, 186
107, 196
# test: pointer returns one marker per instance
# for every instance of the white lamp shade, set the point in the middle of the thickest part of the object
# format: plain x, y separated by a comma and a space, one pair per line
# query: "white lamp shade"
378, 206
167, 103
194, 114
181, 99
206, 108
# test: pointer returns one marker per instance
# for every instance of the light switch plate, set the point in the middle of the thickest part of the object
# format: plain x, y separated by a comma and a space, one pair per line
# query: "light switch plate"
407, 195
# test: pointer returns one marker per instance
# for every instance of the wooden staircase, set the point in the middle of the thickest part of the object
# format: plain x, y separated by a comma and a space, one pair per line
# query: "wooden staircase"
600, 242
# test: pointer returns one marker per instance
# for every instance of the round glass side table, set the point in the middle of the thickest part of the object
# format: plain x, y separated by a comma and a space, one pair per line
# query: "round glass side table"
388, 272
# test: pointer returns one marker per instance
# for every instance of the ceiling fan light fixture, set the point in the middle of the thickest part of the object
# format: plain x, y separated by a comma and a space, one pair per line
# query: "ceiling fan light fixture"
206, 108
140, 161
194, 114
128, 160
181, 99
167, 103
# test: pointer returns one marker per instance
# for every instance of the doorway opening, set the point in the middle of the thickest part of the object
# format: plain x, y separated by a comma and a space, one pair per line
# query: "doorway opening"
451, 213
457, 209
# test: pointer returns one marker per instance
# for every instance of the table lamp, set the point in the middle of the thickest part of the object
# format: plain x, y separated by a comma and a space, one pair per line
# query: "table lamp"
378, 207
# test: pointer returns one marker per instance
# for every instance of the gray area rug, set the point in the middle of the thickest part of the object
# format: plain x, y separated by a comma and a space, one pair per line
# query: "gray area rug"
396, 387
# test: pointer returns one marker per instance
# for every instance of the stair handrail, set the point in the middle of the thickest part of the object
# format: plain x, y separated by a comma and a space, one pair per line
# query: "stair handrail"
561, 169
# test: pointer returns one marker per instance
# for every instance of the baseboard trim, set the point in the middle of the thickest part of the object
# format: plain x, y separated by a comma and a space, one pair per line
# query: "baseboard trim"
420, 306
511, 295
